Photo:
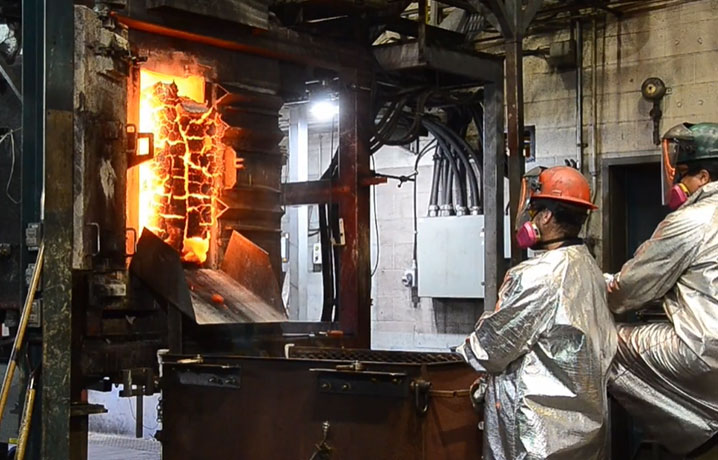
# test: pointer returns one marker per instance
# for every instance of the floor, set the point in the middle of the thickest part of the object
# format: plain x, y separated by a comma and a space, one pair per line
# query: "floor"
112, 447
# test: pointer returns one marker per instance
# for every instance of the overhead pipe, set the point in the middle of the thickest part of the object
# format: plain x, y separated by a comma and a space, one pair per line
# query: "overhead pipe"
594, 107
579, 93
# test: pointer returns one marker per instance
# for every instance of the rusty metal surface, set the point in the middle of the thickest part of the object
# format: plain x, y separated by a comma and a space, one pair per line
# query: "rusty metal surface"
312, 192
204, 295
249, 265
290, 409
100, 162
354, 297
277, 42
159, 266
61, 435
218, 298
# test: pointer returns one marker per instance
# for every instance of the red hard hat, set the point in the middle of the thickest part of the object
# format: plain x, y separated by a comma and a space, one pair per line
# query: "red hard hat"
566, 184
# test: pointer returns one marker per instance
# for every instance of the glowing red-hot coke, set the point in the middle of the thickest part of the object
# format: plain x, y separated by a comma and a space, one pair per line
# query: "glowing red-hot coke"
179, 188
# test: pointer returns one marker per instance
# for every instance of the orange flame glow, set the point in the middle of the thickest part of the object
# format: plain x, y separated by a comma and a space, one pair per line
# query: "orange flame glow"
179, 187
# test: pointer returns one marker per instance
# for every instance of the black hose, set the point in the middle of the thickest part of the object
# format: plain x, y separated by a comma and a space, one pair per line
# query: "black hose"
450, 188
327, 265
449, 143
434, 195
462, 148
450, 166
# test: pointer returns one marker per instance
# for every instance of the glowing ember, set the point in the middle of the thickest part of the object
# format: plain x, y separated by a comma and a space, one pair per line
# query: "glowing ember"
179, 187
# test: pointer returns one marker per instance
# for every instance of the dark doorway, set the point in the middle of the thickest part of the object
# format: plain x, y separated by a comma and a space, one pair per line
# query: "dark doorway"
632, 210
632, 207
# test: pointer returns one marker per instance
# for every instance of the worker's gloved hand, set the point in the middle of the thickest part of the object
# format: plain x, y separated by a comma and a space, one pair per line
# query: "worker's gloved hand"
477, 393
613, 282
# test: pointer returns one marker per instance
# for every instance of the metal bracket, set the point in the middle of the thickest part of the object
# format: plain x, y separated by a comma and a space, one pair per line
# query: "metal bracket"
83, 409
140, 146
35, 319
140, 381
323, 449
33, 235
422, 395
206, 375
347, 380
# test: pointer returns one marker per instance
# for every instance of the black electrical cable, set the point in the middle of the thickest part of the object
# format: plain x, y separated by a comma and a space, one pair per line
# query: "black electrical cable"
461, 147
434, 195
448, 144
376, 227
329, 275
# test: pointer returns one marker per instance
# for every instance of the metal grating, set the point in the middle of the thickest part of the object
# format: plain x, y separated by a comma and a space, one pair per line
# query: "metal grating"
371, 356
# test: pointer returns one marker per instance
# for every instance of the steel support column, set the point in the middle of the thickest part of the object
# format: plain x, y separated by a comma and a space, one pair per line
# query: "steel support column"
59, 429
515, 119
513, 18
355, 261
33, 29
31, 160
494, 162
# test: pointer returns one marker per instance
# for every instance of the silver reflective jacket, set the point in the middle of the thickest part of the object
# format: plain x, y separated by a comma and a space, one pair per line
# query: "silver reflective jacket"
548, 349
666, 374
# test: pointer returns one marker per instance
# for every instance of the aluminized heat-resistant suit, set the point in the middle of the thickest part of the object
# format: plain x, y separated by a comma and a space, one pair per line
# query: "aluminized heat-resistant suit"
666, 374
547, 349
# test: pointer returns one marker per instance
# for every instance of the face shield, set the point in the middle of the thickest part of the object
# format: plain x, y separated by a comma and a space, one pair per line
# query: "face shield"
676, 142
530, 185
668, 168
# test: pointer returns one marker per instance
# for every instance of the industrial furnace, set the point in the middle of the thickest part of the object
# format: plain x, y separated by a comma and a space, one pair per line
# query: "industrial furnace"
175, 238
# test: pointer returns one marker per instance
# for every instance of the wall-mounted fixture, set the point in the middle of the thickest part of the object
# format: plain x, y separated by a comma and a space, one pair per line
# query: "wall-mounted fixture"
653, 90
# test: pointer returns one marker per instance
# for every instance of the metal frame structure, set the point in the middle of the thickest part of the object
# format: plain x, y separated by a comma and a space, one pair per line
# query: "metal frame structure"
512, 18
47, 165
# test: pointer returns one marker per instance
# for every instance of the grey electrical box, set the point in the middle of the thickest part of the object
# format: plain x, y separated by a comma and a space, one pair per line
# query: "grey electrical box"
450, 256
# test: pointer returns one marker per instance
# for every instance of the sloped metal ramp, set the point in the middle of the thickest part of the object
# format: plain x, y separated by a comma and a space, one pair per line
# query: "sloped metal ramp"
243, 291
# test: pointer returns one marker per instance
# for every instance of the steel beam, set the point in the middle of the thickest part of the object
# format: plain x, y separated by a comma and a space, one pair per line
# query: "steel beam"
277, 43
311, 192
33, 30
477, 67
355, 259
494, 161
63, 437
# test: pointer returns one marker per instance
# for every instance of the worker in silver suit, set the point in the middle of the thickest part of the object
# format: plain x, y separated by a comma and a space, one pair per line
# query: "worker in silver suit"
666, 373
547, 348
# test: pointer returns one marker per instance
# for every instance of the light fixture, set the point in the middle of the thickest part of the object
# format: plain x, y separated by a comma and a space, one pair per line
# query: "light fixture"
324, 110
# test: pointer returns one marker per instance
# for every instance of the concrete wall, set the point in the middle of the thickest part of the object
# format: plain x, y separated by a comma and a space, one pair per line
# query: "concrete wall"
677, 44
397, 322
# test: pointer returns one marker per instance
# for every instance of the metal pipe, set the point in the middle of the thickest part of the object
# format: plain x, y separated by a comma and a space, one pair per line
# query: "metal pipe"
594, 107
26, 419
579, 94
139, 416
22, 327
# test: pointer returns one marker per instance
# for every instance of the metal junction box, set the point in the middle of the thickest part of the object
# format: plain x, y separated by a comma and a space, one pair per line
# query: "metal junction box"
450, 256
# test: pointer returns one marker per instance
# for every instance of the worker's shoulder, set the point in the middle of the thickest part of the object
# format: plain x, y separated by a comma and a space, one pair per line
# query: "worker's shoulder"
694, 216
548, 264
